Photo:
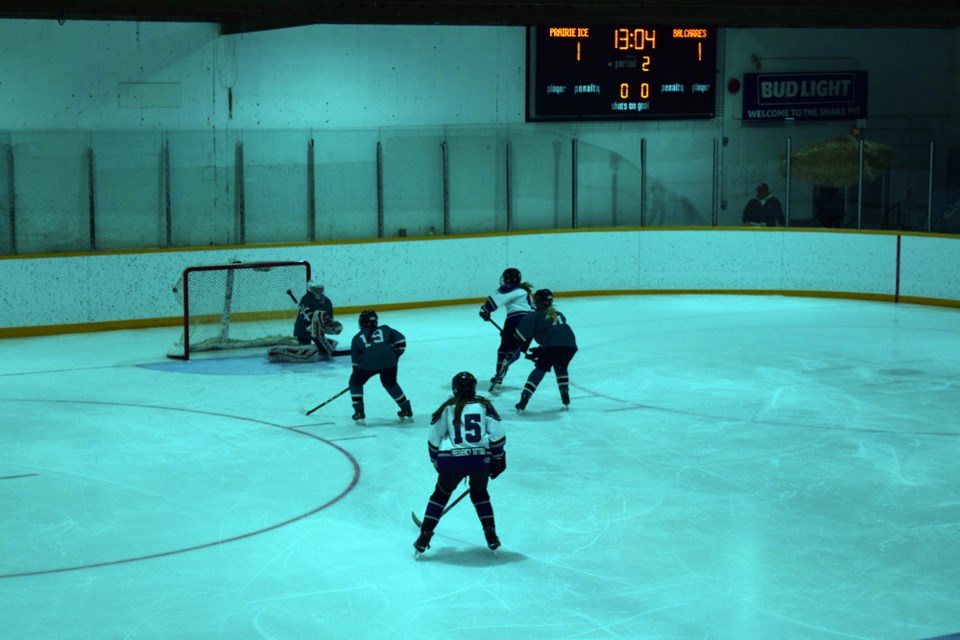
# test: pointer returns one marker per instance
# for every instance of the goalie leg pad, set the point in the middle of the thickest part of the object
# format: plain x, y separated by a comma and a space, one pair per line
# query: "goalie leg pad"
326, 349
282, 353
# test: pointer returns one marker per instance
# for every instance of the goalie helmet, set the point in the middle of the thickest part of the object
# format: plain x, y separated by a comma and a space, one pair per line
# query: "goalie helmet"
464, 385
510, 276
543, 298
315, 287
368, 319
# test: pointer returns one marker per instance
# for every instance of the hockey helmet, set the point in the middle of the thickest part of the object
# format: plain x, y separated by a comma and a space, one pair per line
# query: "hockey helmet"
315, 287
543, 298
368, 319
464, 385
510, 276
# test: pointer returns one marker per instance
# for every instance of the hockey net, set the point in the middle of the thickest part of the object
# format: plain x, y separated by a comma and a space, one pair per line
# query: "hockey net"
238, 305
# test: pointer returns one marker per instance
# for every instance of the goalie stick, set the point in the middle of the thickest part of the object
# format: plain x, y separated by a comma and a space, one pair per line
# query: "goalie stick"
322, 404
419, 522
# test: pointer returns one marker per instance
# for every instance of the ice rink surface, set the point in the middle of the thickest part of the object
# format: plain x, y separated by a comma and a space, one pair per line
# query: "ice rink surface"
731, 467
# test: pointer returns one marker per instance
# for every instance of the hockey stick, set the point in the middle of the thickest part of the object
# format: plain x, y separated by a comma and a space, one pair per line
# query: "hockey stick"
463, 495
322, 404
494, 323
292, 297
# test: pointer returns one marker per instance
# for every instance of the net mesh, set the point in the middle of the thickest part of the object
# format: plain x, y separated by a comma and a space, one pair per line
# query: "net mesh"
240, 305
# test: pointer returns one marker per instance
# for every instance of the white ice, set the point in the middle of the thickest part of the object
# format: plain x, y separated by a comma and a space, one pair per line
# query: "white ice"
731, 467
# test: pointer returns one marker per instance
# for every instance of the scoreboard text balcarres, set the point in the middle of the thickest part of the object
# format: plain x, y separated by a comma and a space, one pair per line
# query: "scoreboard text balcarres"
621, 72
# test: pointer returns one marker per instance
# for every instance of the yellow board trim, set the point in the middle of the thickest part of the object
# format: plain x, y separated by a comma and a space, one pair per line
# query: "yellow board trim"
497, 234
153, 323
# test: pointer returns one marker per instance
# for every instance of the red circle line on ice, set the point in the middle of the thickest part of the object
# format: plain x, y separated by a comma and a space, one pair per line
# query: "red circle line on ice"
243, 536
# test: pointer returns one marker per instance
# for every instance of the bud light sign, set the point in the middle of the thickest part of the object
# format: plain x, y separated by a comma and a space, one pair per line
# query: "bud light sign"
838, 95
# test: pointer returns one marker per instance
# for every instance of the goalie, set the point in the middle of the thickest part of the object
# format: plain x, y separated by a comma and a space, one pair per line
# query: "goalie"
314, 323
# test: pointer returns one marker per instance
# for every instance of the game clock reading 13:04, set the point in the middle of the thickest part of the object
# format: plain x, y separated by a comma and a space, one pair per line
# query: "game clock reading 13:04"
621, 72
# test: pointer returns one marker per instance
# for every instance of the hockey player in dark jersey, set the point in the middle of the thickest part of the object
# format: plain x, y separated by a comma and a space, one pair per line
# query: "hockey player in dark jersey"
316, 319
375, 350
466, 440
557, 347
514, 296
313, 324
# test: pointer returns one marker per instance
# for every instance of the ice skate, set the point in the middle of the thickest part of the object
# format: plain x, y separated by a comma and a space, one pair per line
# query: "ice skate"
522, 405
360, 417
422, 543
405, 414
565, 398
490, 533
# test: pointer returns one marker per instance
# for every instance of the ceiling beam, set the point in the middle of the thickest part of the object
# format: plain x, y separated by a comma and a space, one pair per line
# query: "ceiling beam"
238, 16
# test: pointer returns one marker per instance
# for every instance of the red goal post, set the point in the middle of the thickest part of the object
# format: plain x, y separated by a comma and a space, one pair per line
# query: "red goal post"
238, 305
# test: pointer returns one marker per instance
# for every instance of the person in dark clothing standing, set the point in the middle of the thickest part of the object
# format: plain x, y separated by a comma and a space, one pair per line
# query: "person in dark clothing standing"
764, 209
376, 350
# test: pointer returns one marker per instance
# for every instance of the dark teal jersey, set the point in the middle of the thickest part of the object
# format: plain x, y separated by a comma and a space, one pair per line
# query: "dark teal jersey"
548, 332
310, 304
377, 349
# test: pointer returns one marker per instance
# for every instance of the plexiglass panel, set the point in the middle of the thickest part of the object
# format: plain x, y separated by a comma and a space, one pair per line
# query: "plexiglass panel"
346, 184
52, 191
7, 206
945, 195
680, 179
275, 185
203, 188
83, 191
608, 187
413, 183
541, 179
477, 180
129, 189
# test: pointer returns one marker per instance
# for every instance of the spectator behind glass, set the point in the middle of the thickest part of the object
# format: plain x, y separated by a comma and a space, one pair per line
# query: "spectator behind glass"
764, 209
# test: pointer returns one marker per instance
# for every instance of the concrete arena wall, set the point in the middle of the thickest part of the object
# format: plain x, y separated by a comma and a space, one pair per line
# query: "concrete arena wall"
62, 294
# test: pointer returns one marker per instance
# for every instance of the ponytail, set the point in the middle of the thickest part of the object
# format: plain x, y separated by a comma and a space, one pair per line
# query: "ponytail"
458, 411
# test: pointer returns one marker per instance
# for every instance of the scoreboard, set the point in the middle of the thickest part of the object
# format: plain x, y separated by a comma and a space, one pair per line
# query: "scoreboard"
621, 72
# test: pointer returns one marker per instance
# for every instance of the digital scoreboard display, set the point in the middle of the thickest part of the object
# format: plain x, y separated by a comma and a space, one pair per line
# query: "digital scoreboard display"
621, 72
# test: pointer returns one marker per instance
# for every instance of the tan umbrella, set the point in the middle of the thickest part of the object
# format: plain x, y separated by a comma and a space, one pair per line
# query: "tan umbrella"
834, 162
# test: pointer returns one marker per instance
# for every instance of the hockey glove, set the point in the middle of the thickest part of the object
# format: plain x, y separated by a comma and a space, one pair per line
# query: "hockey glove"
484, 314
533, 354
498, 465
331, 327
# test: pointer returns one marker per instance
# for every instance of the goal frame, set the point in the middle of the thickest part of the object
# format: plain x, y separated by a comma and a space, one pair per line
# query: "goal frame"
230, 267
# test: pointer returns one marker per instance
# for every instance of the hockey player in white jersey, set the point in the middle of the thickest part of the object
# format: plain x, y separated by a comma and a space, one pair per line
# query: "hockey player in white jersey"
513, 296
466, 440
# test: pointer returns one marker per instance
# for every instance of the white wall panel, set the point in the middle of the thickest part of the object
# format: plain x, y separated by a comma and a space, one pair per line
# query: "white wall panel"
707, 260
930, 267
840, 262
137, 286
